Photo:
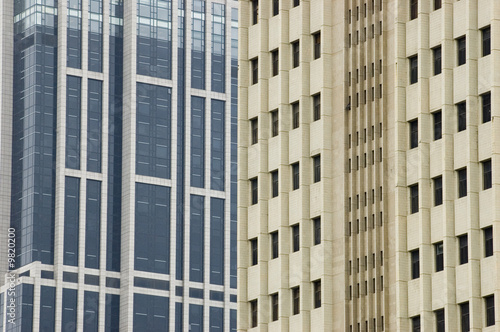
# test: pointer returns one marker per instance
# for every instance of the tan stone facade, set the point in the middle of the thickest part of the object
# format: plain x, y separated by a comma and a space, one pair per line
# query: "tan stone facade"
369, 165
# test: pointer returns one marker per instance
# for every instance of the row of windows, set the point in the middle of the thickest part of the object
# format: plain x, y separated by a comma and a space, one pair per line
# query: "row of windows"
360, 292
360, 200
489, 308
356, 38
364, 97
295, 179
462, 186
275, 8
461, 54
365, 10
364, 73
365, 163
463, 252
358, 226
364, 135
316, 287
374, 263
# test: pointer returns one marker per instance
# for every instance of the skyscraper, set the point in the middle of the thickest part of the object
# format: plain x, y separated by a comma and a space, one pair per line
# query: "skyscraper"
369, 165
118, 164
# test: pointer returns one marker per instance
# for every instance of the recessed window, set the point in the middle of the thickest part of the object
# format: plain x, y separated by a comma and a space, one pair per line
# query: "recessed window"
274, 306
295, 300
461, 49
255, 252
486, 106
295, 54
415, 324
253, 313
415, 264
317, 293
486, 38
274, 123
317, 168
462, 182
295, 115
274, 183
255, 70
436, 117
295, 238
275, 62
463, 249
317, 45
276, 7
438, 190
254, 127
295, 176
488, 241
440, 322
254, 190
296, 3
413, 9
413, 69
489, 303
413, 134
437, 4
464, 317
462, 116
316, 107
487, 175
436, 52
438, 250
274, 245
317, 230
255, 11
414, 198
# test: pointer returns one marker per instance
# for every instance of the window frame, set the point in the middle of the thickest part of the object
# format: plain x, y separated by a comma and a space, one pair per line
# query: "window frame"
295, 300
440, 320
461, 51
439, 256
488, 241
486, 40
274, 183
489, 306
254, 250
413, 131
316, 168
255, 70
253, 313
254, 131
413, 69
276, 5
295, 176
415, 324
438, 190
462, 182
295, 115
317, 231
486, 107
295, 237
317, 294
437, 4
413, 9
316, 45
437, 121
275, 58
414, 199
461, 116
415, 264
274, 245
295, 54
437, 59
274, 307
274, 123
487, 169
255, 12
463, 249
254, 191
316, 106
464, 317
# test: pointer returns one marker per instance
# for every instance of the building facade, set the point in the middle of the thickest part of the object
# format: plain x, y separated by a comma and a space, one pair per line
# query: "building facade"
369, 165
118, 165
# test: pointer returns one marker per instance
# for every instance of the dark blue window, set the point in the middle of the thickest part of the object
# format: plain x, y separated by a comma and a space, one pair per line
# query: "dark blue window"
218, 47
196, 231
216, 319
73, 121
69, 314
93, 224
150, 313
94, 126
232, 320
178, 317
153, 131
112, 313
154, 38
217, 145
95, 35
195, 318
24, 309
198, 45
216, 241
71, 220
90, 311
74, 34
197, 142
47, 308
152, 228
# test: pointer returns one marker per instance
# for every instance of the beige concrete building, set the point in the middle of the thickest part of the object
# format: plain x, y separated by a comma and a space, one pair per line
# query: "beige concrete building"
369, 165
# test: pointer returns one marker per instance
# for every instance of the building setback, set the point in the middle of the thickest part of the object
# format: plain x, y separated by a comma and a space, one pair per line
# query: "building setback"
369, 165
118, 164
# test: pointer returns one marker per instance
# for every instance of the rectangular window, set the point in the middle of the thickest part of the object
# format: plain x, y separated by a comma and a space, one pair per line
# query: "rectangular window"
254, 190
295, 54
437, 5
462, 182
413, 69
276, 7
440, 323
253, 313
414, 198
254, 130
274, 245
486, 37
255, 11
317, 231
295, 238
275, 59
274, 306
415, 264
489, 302
296, 3
436, 117
413, 9
464, 317
274, 183
197, 142
438, 190
486, 103
438, 249
462, 116
436, 52
488, 241
317, 293
255, 251
415, 324
487, 174
295, 115
295, 300
255, 70
413, 134
316, 107
463, 249
317, 168
317, 45
461, 50
295, 176
274, 123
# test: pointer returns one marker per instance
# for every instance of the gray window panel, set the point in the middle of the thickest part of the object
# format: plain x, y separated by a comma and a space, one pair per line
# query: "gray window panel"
234, 154
153, 154
195, 318
179, 291
198, 45
218, 47
93, 224
91, 279
46, 275
196, 293
24, 309
151, 283
197, 142
217, 145
216, 319
178, 317
70, 277
90, 311
196, 234
69, 306
216, 296
95, 37
94, 126
232, 320
216, 241
150, 313
112, 313
112, 282
71, 220
233, 298
152, 228
74, 42
73, 121
47, 308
